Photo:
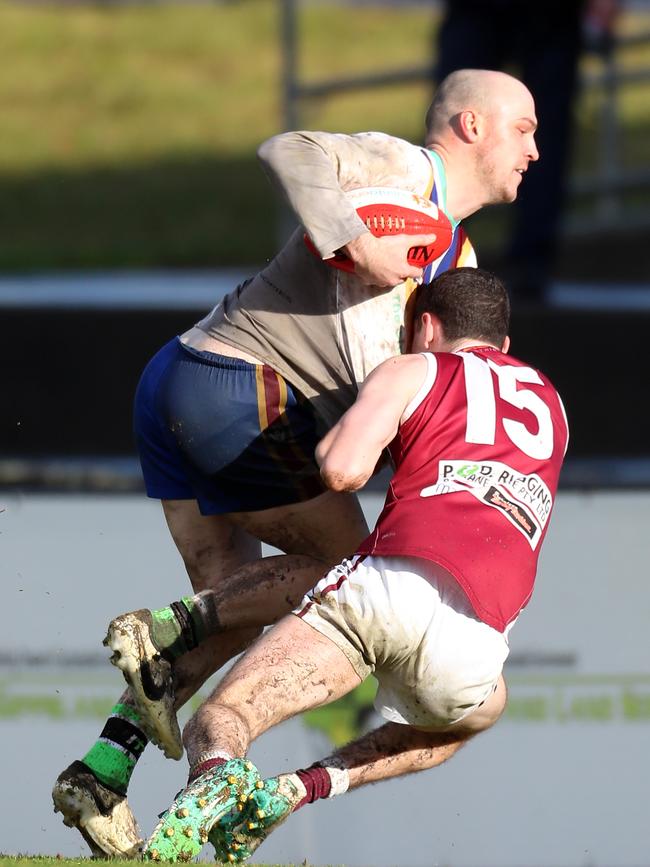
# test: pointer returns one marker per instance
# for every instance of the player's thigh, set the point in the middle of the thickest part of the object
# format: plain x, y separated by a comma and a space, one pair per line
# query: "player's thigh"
211, 546
290, 669
328, 527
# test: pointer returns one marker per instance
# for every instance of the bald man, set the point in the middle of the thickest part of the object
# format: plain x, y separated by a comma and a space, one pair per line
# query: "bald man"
228, 415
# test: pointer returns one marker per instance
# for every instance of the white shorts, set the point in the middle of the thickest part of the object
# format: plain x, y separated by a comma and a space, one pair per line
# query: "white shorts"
407, 621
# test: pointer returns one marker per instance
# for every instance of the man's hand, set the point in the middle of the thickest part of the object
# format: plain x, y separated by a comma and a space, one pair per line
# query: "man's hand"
382, 261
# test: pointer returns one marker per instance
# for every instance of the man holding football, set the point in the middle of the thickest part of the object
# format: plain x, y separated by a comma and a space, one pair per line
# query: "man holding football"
228, 415
427, 602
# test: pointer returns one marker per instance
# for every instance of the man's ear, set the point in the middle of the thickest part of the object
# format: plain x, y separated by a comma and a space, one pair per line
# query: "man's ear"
505, 346
433, 332
421, 334
470, 125
428, 329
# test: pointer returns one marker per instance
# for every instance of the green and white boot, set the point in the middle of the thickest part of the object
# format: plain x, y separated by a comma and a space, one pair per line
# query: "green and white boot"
102, 817
149, 675
238, 833
184, 828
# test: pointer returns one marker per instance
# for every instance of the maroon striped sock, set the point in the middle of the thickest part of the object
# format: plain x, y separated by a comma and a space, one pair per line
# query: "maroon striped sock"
203, 767
317, 782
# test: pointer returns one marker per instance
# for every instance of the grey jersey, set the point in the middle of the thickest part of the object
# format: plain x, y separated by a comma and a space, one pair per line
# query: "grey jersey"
321, 328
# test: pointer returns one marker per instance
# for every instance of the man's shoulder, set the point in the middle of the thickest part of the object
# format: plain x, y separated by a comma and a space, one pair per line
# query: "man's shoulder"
401, 375
402, 365
383, 144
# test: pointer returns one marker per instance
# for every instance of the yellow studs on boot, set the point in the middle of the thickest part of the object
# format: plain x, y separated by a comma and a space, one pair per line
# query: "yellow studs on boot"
183, 813
260, 814
232, 779
259, 784
169, 832
188, 832
155, 855
201, 802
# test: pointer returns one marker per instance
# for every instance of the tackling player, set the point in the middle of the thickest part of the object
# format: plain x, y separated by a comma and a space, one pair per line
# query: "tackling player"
426, 604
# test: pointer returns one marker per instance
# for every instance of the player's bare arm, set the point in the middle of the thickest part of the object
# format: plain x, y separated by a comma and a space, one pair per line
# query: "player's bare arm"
349, 452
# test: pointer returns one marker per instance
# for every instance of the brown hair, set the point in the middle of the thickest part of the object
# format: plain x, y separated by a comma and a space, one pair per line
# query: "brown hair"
469, 302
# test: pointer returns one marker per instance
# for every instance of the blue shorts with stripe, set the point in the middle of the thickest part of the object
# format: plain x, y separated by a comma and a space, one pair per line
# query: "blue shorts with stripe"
232, 435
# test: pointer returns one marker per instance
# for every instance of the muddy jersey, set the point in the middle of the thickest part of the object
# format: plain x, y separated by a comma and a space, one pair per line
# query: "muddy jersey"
319, 327
478, 456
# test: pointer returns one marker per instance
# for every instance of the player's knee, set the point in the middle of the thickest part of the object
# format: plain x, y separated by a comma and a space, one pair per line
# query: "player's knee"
487, 711
459, 700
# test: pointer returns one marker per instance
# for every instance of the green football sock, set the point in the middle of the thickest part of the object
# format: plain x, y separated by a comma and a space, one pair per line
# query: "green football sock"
167, 632
183, 625
114, 755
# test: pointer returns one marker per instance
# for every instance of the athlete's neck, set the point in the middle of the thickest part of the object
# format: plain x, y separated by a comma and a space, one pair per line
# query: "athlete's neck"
464, 194
464, 345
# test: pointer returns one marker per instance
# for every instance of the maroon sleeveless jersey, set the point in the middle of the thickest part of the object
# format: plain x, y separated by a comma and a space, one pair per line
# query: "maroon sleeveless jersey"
477, 466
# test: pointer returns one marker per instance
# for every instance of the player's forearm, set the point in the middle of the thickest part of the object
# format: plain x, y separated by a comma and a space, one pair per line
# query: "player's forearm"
306, 166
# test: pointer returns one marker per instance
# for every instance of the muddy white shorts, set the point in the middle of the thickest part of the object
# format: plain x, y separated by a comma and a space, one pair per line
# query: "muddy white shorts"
407, 621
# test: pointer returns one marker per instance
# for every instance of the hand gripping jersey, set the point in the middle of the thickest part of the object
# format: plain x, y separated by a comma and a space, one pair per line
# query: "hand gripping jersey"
318, 327
478, 456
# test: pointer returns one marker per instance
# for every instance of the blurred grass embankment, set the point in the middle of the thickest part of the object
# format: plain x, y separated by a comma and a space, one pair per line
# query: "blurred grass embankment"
129, 131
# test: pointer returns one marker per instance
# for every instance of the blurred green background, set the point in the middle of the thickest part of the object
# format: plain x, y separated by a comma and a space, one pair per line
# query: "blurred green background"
129, 131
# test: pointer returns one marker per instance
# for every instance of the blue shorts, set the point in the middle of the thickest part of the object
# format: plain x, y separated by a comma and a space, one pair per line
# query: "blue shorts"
232, 435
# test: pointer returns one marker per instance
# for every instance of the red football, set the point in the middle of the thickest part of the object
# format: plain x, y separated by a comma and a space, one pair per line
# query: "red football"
391, 211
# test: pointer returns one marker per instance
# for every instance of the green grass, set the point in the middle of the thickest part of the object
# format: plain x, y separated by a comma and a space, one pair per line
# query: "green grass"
129, 132
57, 861
47, 861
